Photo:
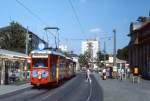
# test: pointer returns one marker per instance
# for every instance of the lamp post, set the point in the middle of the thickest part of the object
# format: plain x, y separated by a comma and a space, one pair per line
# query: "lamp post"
57, 29
27, 40
27, 47
104, 54
114, 55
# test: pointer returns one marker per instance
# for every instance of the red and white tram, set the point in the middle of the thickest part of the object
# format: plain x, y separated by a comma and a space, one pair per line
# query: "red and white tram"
47, 66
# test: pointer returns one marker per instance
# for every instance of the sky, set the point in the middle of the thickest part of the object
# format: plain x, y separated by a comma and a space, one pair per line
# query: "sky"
98, 18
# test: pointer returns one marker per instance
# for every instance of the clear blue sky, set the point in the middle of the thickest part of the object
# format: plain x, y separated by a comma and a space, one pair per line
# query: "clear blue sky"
98, 18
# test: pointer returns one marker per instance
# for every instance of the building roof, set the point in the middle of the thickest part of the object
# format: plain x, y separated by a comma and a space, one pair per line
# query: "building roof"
120, 61
140, 26
117, 60
7, 53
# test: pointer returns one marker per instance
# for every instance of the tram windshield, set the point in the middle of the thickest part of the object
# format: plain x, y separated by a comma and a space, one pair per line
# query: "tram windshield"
40, 63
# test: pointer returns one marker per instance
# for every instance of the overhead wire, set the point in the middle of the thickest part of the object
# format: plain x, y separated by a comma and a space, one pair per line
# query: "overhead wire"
32, 13
76, 16
44, 23
36, 16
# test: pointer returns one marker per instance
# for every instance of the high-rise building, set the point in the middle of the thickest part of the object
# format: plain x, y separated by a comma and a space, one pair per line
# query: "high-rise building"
92, 46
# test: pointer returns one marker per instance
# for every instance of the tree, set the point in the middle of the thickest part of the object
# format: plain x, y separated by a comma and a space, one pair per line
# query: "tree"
89, 54
123, 53
13, 37
100, 57
82, 60
142, 19
85, 59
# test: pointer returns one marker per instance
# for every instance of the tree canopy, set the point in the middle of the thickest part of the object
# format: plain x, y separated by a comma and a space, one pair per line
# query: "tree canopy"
123, 53
101, 57
13, 37
85, 59
141, 18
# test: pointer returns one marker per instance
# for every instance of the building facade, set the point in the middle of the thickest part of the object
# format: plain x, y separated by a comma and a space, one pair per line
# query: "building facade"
92, 46
34, 41
13, 66
139, 47
13, 60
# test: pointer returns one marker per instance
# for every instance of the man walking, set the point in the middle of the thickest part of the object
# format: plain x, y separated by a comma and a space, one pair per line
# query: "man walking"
88, 75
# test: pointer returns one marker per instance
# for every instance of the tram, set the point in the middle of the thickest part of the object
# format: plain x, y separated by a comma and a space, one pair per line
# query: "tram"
49, 66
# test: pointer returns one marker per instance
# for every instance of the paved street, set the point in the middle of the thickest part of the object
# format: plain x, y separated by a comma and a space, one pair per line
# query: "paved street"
76, 89
5, 89
115, 90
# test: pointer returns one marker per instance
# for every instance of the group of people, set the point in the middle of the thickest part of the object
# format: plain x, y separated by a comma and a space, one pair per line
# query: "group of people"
106, 73
117, 74
110, 73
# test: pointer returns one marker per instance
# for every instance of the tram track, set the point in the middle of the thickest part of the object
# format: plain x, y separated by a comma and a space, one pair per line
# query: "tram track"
68, 89
76, 89
34, 93
58, 93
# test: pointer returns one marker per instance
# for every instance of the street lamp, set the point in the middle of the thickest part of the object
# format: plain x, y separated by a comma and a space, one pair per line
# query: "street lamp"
114, 55
54, 28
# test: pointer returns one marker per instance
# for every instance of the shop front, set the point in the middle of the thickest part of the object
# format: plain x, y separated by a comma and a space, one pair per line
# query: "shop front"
12, 66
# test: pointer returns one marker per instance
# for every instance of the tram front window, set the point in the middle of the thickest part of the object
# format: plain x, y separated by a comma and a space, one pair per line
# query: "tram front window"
39, 62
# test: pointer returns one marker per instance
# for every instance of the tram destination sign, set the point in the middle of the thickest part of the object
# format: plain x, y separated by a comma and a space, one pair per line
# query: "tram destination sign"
39, 55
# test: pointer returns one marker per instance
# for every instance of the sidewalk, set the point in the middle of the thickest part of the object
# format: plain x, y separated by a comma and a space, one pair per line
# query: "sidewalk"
116, 90
5, 89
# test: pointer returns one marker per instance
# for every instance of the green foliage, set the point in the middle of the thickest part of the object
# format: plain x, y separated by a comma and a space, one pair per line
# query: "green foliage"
101, 57
13, 37
123, 53
82, 61
142, 19
85, 59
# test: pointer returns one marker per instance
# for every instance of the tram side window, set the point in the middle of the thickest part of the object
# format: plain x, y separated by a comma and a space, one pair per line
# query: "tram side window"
40, 62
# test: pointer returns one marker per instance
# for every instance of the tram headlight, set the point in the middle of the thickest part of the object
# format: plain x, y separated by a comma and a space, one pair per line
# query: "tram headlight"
44, 73
35, 73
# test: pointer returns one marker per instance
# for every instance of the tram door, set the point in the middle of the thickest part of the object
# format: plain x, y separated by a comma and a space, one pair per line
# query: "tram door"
52, 67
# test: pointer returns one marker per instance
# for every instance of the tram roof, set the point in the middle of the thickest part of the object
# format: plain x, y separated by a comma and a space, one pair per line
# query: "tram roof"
7, 53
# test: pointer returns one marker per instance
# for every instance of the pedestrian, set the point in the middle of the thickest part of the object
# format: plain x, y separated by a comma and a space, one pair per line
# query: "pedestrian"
122, 74
88, 72
107, 73
110, 72
104, 74
119, 74
128, 72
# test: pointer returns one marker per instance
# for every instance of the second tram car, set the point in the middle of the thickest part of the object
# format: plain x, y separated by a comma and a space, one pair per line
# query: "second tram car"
49, 66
